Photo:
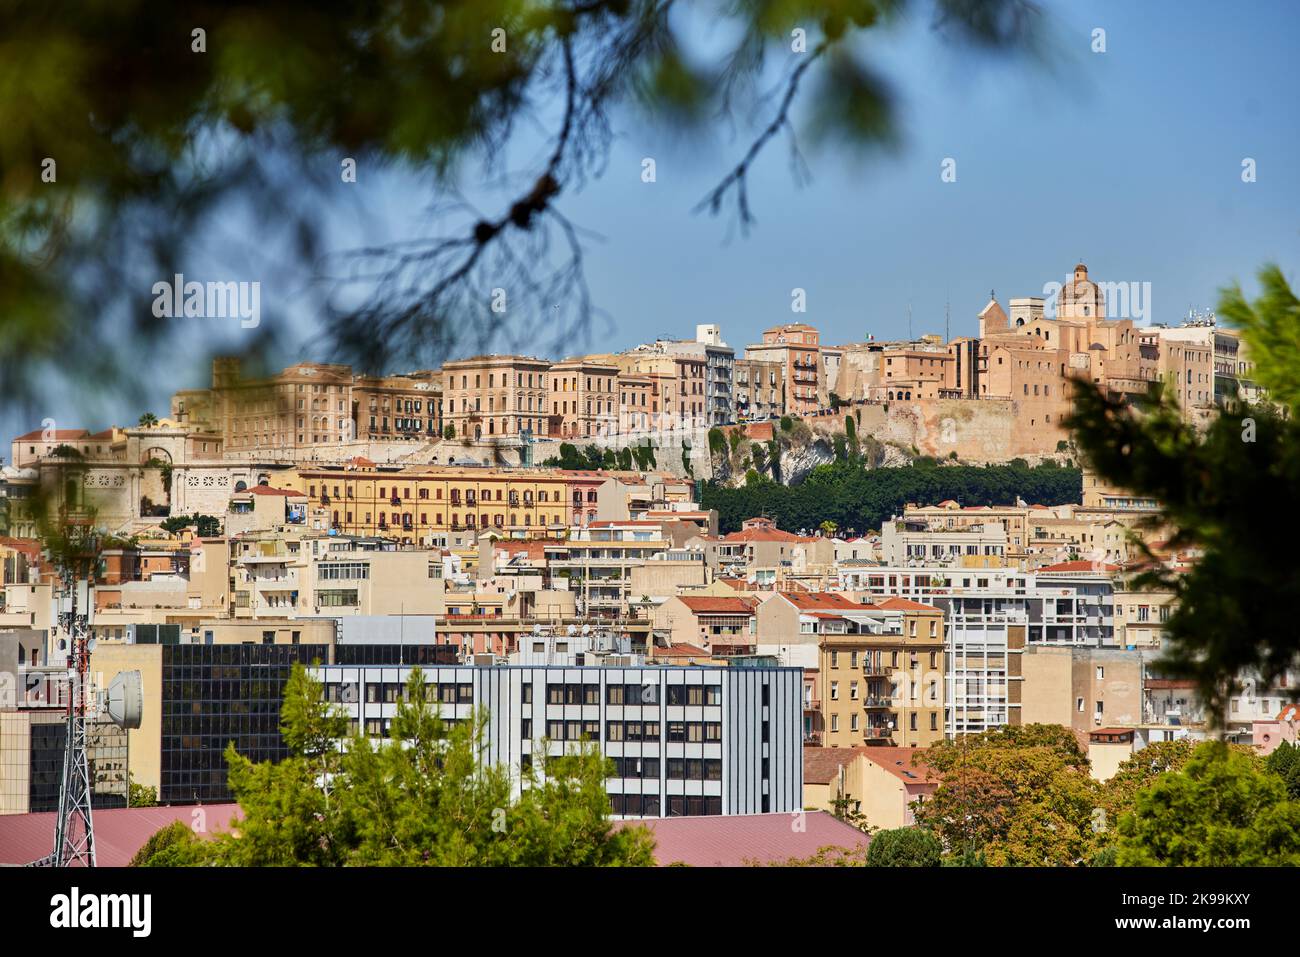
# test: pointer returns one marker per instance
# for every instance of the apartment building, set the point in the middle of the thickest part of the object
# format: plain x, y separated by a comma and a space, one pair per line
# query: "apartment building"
759, 389
719, 361
796, 348
584, 399
636, 413
496, 396
597, 562
286, 575
992, 615
678, 375
1083, 688
682, 740
398, 407
720, 624
444, 506
917, 542
764, 554
308, 404
881, 673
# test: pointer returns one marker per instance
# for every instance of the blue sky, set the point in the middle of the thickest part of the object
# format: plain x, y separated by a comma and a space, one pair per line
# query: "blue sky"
1129, 159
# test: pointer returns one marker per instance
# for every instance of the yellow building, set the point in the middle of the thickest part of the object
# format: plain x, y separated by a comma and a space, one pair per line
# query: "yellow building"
447, 506
881, 671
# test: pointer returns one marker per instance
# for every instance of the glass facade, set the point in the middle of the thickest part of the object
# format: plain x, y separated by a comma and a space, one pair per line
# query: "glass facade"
214, 695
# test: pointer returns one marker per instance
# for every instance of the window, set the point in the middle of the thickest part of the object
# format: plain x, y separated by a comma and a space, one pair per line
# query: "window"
835, 690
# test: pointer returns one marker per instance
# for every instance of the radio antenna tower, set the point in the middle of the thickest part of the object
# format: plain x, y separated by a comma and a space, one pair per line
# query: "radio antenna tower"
74, 834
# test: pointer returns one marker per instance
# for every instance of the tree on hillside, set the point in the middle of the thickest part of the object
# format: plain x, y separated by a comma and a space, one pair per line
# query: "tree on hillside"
1231, 615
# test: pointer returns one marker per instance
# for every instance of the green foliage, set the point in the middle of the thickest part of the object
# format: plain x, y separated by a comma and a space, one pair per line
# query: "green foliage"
787, 423
904, 847
172, 846
841, 446
1017, 796
1222, 809
339, 800
147, 420
208, 526
1285, 763
686, 460
1271, 325
625, 459
717, 442
140, 795
449, 431
854, 497
1230, 614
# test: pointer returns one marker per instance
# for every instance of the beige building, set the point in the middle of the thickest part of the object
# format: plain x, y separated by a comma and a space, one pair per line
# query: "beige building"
883, 784
759, 389
796, 348
584, 399
496, 396
1082, 688
881, 673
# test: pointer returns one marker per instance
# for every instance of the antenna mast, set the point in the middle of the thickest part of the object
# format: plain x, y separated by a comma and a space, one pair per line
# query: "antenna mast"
74, 834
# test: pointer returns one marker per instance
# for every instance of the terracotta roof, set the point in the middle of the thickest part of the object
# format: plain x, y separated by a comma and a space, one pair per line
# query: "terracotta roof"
898, 762
1160, 684
903, 604
1097, 731
268, 490
817, 601
1079, 566
119, 832
56, 435
822, 765
679, 649
711, 604
736, 840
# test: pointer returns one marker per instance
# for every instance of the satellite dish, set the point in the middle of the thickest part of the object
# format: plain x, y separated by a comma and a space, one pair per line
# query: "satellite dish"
125, 699
90, 645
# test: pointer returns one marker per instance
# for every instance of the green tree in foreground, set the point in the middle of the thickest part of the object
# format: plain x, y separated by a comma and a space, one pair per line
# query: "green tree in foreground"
1222, 809
1232, 614
426, 802
904, 847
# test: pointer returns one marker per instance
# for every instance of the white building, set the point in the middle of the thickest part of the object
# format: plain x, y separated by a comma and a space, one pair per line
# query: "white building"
991, 615
684, 741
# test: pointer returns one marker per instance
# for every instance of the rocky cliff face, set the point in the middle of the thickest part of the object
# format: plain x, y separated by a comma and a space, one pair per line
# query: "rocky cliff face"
797, 461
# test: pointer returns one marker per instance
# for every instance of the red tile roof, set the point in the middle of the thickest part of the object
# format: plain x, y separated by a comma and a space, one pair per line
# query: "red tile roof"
1079, 566
714, 605
822, 765
268, 490
819, 601
119, 832
903, 604
898, 762
742, 839
55, 435
680, 649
